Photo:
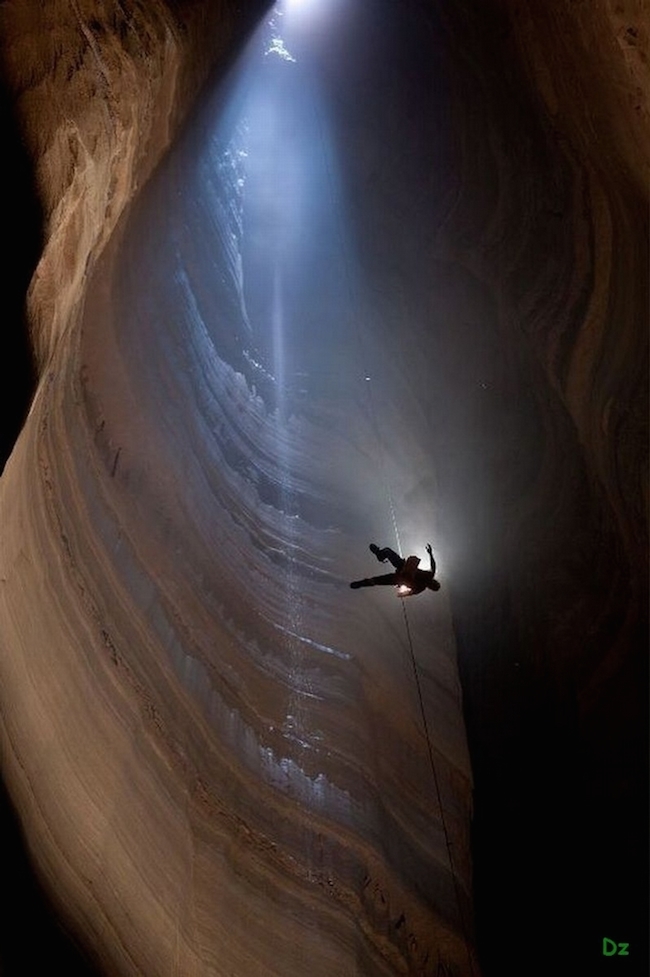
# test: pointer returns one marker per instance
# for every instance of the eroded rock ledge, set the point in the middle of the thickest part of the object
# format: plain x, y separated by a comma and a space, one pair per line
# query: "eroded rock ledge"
100, 90
110, 612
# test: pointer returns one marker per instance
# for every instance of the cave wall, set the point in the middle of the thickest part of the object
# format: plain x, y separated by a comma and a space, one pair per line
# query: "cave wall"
545, 225
73, 70
551, 217
201, 787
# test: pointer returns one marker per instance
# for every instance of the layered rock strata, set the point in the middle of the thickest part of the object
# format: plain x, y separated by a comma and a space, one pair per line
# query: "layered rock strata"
220, 762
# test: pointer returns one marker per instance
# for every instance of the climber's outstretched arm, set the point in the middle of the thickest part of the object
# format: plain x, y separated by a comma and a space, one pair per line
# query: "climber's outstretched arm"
433, 562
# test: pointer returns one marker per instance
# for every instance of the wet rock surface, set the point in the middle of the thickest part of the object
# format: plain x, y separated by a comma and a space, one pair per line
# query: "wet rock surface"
216, 751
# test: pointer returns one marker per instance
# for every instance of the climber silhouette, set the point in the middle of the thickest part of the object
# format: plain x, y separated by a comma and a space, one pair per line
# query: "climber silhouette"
408, 579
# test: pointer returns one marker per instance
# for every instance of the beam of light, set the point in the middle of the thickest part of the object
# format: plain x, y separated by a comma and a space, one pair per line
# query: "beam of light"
304, 7
277, 47
282, 223
306, 15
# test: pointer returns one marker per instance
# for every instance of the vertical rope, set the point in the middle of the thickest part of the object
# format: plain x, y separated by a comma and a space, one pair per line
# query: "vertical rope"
393, 515
425, 724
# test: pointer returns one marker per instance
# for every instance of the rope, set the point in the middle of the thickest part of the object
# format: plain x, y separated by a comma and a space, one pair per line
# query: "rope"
393, 515
425, 724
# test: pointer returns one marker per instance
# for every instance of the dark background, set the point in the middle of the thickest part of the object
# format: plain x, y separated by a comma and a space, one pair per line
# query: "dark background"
560, 833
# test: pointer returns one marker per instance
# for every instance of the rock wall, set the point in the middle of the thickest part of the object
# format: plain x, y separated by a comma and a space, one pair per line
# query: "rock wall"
551, 219
74, 70
531, 236
218, 769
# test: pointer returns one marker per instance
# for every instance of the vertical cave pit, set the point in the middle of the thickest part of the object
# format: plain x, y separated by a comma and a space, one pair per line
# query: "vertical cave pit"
381, 278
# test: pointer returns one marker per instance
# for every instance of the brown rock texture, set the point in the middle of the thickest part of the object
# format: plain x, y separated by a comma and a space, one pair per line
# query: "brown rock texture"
222, 760
214, 774
73, 69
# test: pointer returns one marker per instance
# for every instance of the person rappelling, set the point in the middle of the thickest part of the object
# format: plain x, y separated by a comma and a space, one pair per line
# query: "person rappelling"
408, 578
